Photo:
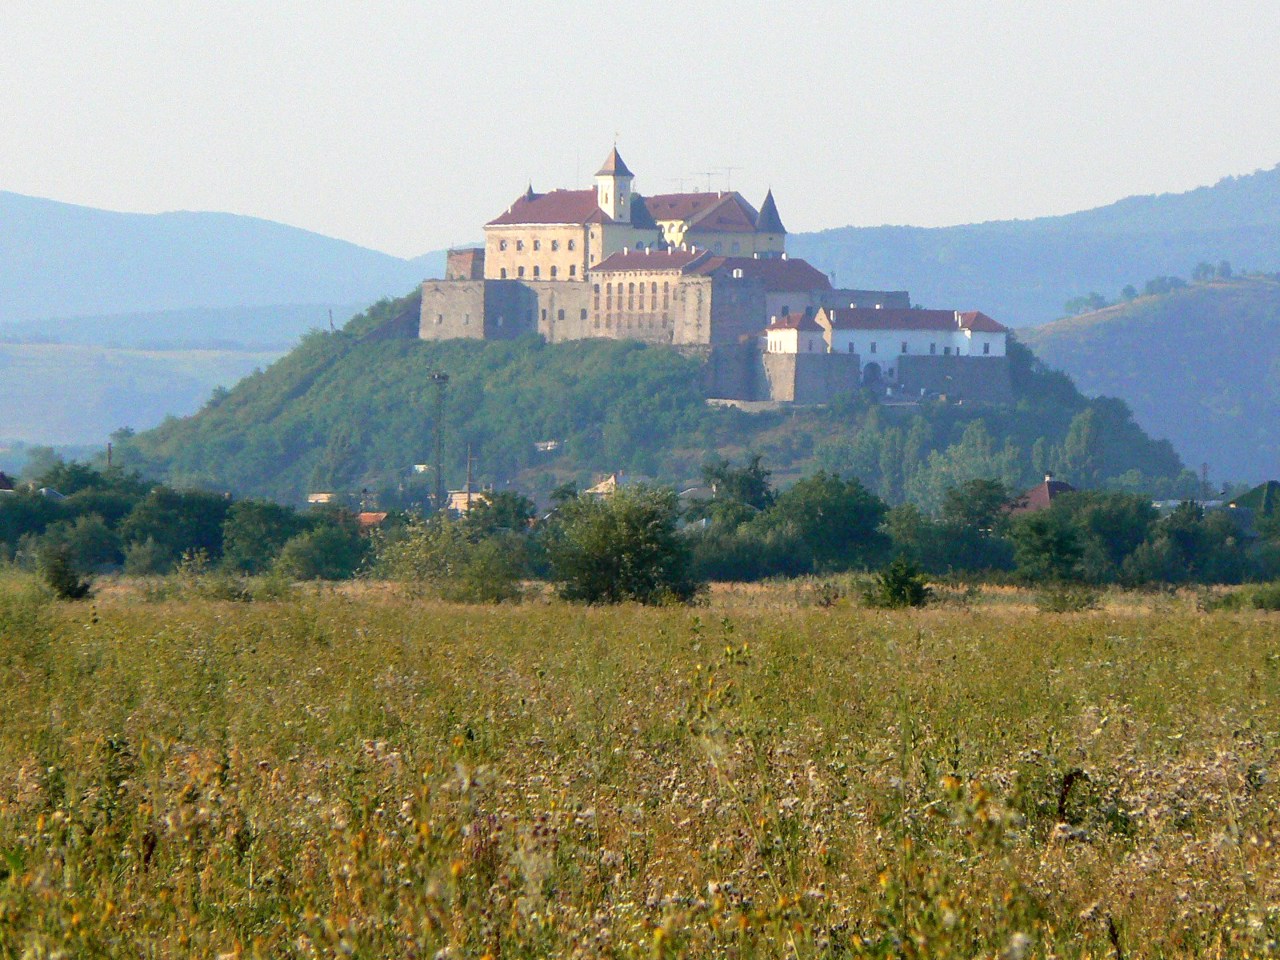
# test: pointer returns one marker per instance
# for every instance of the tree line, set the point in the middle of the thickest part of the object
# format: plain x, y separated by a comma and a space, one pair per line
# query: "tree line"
642, 544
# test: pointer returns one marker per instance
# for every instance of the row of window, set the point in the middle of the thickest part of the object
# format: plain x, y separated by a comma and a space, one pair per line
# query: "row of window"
933, 348
631, 288
553, 273
537, 245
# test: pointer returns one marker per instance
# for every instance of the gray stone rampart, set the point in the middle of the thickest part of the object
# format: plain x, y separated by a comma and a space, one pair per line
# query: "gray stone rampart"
971, 379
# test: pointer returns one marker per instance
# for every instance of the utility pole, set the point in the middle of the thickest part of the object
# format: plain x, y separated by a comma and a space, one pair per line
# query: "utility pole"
441, 380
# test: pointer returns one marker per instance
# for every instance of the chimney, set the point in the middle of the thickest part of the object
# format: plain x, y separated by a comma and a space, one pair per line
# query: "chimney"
784, 256
625, 251
1048, 478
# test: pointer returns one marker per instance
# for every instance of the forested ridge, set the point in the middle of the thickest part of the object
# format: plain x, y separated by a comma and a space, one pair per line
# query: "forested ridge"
1199, 363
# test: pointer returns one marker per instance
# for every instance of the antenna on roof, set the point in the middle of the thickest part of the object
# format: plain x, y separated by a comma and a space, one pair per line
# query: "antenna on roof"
708, 174
728, 177
679, 181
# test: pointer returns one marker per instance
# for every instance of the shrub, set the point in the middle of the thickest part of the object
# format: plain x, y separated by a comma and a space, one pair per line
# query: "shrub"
329, 552
1267, 596
625, 548
437, 553
1066, 598
60, 574
900, 584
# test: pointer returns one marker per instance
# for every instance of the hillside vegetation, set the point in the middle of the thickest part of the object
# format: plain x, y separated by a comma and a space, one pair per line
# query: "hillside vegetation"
1199, 365
370, 775
1021, 271
356, 410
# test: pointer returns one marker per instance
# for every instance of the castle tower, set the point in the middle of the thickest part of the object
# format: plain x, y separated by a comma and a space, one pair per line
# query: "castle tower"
771, 235
613, 188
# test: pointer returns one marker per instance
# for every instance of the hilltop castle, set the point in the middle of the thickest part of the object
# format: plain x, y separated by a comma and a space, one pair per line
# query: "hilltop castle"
695, 270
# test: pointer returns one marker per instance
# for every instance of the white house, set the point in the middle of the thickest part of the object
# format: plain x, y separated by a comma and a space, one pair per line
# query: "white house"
795, 333
880, 337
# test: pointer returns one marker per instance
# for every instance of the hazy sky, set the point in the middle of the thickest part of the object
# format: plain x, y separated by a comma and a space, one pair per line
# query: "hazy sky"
404, 126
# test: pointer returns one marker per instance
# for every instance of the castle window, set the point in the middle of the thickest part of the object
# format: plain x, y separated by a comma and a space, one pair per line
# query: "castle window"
504, 273
573, 269
946, 351
904, 346
555, 244
654, 289
439, 319
933, 348
502, 244
519, 244
553, 273
873, 346
786, 308
560, 315
572, 245
584, 313
851, 346
537, 244
544, 314
537, 271
986, 348
519, 271
466, 318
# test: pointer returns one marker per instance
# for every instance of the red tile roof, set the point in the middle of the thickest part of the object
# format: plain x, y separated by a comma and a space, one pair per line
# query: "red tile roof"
779, 276
865, 318
674, 260
680, 206
1041, 496
731, 215
795, 321
614, 167
558, 206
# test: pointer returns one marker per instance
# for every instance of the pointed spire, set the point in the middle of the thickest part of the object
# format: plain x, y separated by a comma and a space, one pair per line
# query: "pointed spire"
529, 194
768, 221
613, 166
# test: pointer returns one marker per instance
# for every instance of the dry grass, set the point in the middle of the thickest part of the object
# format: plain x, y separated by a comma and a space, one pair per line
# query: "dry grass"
350, 772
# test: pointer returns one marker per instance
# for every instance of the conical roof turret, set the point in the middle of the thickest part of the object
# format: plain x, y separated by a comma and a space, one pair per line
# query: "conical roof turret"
768, 220
613, 166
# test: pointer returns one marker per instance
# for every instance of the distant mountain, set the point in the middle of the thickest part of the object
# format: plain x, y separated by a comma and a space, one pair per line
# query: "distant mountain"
1200, 366
61, 260
72, 394
1023, 271
201, 328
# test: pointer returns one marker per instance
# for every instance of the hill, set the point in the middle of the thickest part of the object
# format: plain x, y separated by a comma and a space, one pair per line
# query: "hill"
1200, 365
355, 409
1022, 271
62, 260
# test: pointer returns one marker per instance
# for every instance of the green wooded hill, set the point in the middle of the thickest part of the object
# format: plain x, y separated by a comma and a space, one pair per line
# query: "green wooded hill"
1199, 365
355, 409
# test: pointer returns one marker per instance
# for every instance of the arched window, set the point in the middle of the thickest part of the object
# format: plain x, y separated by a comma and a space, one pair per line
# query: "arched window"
555, 244
502, 244
560, 315
519, 271
572, 245
504, 273
537, 244
537, 271
519, 244
553, 273
573, 269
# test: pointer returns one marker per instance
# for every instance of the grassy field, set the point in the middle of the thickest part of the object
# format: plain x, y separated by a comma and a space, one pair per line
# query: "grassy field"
356, 772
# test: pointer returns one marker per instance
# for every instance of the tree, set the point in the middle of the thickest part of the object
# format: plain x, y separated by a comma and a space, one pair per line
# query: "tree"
254, 533
1130, 292
623, 548
497, 512
329, 552
837, 520
178, 520
1046, 546
748, 484
1224, 270
1203, 271
59, 573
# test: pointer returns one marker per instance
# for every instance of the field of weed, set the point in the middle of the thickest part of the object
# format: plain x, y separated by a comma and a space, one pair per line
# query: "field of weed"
776, 773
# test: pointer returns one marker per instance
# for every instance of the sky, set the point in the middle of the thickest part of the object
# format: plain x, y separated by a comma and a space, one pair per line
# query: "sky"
404, 126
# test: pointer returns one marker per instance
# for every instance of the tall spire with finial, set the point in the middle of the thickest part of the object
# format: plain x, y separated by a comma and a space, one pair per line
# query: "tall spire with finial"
768, 220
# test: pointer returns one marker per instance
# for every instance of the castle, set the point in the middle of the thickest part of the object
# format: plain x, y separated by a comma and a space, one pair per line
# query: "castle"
708, 272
